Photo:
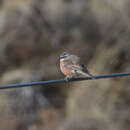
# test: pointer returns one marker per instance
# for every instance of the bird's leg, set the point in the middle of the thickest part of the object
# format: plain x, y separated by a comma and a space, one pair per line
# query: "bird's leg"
68, 77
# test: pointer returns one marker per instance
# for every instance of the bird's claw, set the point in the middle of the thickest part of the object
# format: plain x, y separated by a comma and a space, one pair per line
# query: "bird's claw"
68, 78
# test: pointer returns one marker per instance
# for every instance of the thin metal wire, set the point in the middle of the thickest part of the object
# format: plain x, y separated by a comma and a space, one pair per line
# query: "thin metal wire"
50, 82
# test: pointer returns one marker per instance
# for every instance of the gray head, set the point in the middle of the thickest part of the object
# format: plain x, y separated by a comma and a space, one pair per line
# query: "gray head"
64, 56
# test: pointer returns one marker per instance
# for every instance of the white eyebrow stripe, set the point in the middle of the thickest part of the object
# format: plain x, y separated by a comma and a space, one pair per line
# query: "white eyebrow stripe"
62, 59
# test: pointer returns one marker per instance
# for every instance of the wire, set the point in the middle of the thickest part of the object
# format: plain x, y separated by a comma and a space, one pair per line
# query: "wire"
49, 82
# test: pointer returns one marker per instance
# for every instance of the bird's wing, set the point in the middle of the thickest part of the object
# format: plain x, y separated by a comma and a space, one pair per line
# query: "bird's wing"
74, 59
79, 70
73, 67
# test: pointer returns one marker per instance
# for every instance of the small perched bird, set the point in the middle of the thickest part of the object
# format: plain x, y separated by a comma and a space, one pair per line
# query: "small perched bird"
71, 66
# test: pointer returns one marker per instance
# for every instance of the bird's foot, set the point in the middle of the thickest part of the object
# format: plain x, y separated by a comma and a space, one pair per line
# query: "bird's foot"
68, 78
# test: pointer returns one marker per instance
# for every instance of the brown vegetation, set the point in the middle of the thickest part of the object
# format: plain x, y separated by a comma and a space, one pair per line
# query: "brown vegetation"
33, 33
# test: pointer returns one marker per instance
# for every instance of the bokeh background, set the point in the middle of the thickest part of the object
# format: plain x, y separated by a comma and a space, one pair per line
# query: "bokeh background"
33, 33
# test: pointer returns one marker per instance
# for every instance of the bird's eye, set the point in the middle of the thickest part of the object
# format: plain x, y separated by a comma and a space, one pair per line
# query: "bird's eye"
64, 53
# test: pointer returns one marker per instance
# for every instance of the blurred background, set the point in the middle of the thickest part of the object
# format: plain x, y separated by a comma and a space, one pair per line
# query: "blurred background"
33, 33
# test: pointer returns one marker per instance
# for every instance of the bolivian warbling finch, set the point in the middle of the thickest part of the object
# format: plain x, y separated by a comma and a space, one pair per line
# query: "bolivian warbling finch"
72, 67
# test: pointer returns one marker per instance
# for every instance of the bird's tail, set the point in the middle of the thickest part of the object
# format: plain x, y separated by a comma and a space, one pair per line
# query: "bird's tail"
86, 74
91, 75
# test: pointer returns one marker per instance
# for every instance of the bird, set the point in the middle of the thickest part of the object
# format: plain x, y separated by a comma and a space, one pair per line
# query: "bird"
72, 67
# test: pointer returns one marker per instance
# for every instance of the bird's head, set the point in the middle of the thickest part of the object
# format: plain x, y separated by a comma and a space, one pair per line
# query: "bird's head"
64, 56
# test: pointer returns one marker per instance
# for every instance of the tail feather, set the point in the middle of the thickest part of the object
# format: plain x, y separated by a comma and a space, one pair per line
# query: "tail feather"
86, 74
91, 76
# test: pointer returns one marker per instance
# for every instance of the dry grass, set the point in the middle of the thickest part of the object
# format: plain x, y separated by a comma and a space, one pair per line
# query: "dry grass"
32, 36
